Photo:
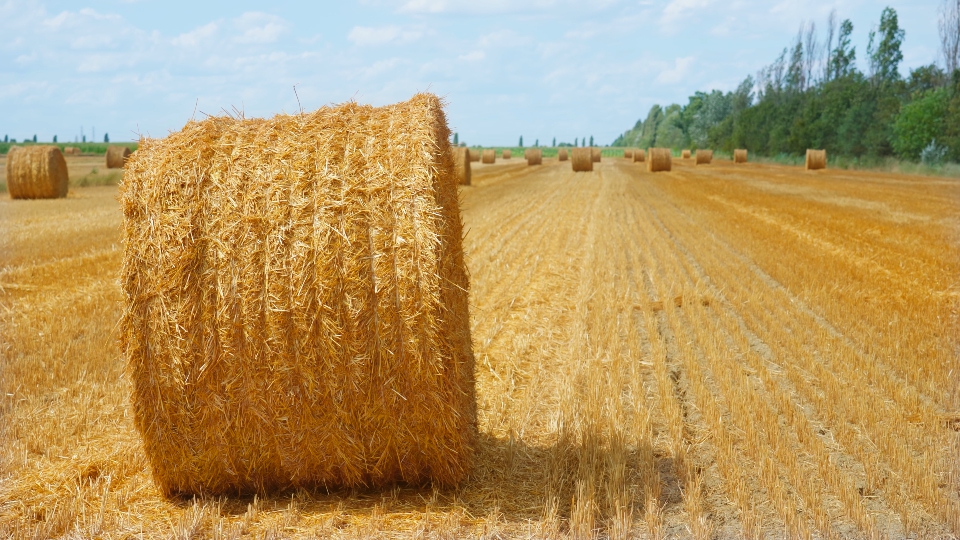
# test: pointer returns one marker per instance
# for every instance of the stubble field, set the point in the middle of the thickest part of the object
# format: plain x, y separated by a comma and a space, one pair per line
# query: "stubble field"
714, 352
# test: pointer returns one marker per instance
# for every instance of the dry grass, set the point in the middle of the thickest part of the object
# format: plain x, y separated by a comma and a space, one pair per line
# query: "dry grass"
721, 352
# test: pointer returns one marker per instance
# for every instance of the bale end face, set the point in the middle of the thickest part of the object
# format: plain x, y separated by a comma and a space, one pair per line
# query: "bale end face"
659, 160
739, 156
816, 159
581, 159
489, 156
117, 156
330, 347
36, 172
562, 154
704, 157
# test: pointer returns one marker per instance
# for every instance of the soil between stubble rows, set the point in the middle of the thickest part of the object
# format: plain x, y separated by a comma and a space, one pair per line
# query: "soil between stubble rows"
701, 353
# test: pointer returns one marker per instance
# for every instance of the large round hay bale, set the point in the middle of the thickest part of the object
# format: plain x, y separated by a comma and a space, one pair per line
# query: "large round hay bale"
562, 154
295, 302
506, 154
461, 164
489, 156
659, 159
704, 157
534, 156
581, 159
71, 151
596, 154
36, 172
739, 155
685, 154
628, 154
117, 156
816, 159
474, 155
639, 155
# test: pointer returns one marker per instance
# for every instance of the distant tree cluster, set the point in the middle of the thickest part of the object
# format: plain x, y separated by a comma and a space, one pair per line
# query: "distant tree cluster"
813, 96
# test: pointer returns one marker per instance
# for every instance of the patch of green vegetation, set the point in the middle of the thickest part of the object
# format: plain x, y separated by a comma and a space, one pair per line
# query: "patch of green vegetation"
85, 148
96, 177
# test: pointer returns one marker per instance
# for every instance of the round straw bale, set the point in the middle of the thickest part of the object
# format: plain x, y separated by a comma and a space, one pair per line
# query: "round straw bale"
474, 155
704, 157
562, 154
36, 172
685, 154
461, 164
596, 154
628, 154
659, 159
534, 156
739, 155
506, 154
117, 156
581, 159
489, 156
295, 302
71, 151
816, 159
639, 155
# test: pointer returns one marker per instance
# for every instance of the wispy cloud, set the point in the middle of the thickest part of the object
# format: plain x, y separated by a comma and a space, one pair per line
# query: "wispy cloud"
366, 36
677, 73
197, 35
259, 27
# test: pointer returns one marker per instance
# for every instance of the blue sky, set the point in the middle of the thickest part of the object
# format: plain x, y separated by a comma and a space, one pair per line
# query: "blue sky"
540, 68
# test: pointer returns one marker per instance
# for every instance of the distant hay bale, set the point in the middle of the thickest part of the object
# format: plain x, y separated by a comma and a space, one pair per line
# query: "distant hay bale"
71, 151
685, 154
489, 156
596, 154
628, 154
295, 302
534, 156
659, 159
704, 157
117, 156
461, 164
474, 155
739, 156
506, 154
582, 159
816, 159
562, 154
639, 155
36, 172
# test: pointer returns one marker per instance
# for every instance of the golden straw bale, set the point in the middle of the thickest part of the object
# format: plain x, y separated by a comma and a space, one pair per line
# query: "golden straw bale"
562, 154
659, 159
534, 156
506, 154
474, 155
71, 151
685, 154
36, 172
581, 159
489, 156
639, 155
295, 302
596, 154
461, 164
739, 155
816, 159
704, 157
628, 154
117, 156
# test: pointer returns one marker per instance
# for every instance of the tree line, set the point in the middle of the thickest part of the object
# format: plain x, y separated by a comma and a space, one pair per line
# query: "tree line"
814, 96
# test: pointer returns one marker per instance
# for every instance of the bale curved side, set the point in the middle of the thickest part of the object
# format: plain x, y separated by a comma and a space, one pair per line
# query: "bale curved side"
117, 156
685, 154
489, 156
474, 155
461, 164
581, 159
292, 325
704, 157
562, 154
659, 159
36, 172
506, 154
816, 159
534, 156
628, 154
639, 156
739, 155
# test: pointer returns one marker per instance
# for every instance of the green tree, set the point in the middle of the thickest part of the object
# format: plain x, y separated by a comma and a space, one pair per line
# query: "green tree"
591, 140
106, 137
521, 142
54, 138
669, 133
648, 137
920, 122
456, 139
843, 59
554, 142
885, 57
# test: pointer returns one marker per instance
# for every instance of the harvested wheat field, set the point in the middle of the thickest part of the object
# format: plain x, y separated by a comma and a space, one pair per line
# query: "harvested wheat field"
712, 352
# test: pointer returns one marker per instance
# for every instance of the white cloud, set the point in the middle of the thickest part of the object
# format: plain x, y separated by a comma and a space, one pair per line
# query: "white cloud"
679, 10
381, 35
504, 38
260, 27
676, 74
195, 36
473, 56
